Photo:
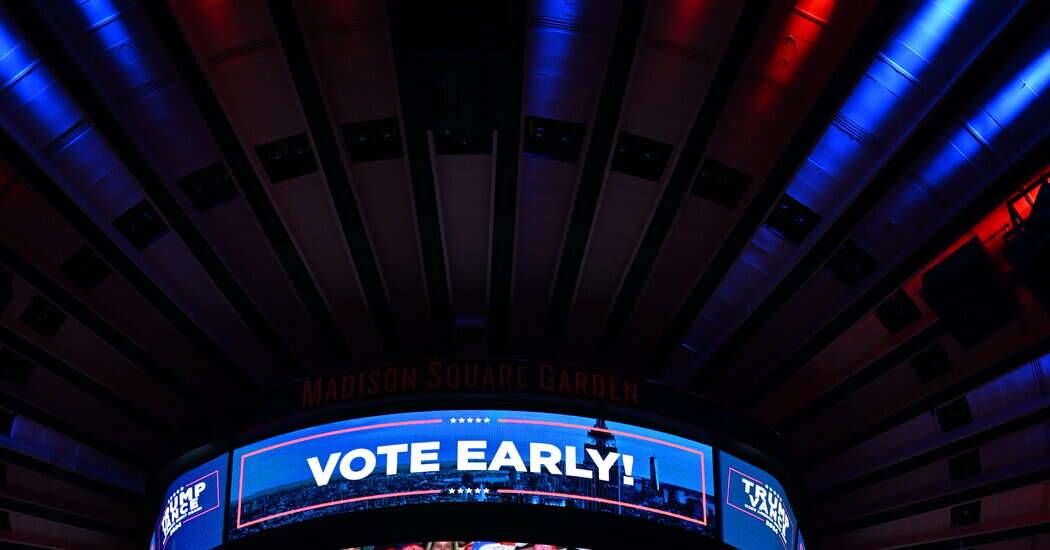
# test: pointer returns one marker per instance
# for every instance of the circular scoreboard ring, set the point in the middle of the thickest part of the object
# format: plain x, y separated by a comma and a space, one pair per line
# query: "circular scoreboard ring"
556, 454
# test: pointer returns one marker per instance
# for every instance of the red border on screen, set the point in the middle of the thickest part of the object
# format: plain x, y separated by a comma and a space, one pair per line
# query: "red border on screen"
729, 484
240, 483
218, 501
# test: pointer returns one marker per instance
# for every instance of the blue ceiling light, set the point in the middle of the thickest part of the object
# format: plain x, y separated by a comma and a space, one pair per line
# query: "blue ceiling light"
1005, 120
932, 46
41, 114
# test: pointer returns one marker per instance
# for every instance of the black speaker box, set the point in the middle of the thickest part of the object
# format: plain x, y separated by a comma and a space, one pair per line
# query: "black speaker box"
970, 294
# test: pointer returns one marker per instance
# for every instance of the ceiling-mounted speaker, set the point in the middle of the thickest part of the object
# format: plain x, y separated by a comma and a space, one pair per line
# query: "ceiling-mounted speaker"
970, 294
955, 414
720, 183
370, 140
553, 139
86, 268
208, 187
792, 220
141, 225
287, 158
897, 312
43, 317
449, 141
640, 156
851, 264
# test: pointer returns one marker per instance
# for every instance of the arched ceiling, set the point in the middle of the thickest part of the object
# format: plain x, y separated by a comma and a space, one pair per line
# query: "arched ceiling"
823, 213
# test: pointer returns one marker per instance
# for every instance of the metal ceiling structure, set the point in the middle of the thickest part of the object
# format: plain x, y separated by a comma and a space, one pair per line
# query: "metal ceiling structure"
825, 214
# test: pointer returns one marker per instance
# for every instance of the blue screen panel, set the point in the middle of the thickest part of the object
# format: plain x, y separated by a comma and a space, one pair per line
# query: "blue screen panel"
757, 515
473, 456
191, 518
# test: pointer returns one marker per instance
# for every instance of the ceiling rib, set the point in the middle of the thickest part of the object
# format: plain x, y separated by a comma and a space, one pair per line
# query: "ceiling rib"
983, 538
240, 166
866, 374
692, 152
65, 517
979, 488
120, 342
1033, 163
1020, 420
931, 400
421, 172
47, 419
66, 475
505, 192
85, 382
850, 69
996, 54
595, 166
52, 50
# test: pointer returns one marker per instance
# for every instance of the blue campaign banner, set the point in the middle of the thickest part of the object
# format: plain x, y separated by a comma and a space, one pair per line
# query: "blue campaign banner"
193, 511
757, 513
454, 456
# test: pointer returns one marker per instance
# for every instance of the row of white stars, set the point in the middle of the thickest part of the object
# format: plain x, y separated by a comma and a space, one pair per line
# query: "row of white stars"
468, 490
462, 420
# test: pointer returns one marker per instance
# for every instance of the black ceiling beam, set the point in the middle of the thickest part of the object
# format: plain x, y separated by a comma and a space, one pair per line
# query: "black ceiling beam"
595, 167
32, 173
733, 63
54, 53
66, 475
983, 538
505, 190
82, 313
850, 69
73, 431
44, 359
1035, 417
932, 400
944, 115
981, 489
252, 187
65, 517
424, 191
864, 376
326, 145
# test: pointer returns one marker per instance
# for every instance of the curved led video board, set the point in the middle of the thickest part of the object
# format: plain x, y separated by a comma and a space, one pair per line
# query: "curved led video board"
193, 511
476, 456
757, 513
472, 456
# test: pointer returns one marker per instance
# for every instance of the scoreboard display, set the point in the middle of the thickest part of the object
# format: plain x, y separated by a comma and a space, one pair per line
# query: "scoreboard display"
481, 457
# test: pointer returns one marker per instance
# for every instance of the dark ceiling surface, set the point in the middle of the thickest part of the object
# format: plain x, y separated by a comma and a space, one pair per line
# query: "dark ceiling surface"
824, 213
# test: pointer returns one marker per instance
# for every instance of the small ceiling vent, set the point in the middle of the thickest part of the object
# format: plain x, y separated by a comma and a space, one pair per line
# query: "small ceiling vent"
792, 220
373, 140
287, 158
851, 264
141, 225
208, 187
43, 317
86, 268
640, 156
721, 184
553, 139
